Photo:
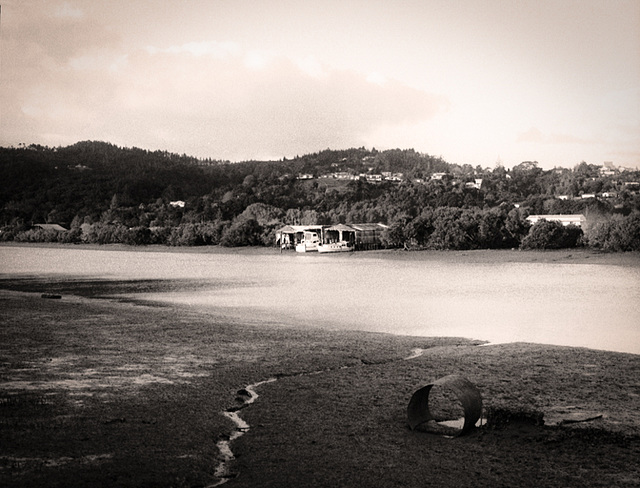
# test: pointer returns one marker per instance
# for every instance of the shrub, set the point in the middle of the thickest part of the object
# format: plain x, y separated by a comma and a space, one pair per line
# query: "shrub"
616, 234
137, 236
202, 234
104, 233
546, 234
7, 234
39, 235
453, 229
396, 234
71, 236
183, 235
159, 235
242, 233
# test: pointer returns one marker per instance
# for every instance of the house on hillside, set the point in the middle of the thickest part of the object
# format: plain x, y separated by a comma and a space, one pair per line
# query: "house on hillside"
631, 186
564, 219
389, 176
477, 184
607, 169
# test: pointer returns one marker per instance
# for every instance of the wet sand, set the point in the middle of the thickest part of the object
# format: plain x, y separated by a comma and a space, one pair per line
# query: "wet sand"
102, 392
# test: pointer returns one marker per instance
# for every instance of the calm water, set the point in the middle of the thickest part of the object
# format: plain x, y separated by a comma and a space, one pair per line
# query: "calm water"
592, 305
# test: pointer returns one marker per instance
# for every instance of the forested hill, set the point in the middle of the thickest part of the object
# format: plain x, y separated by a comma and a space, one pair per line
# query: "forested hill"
104, 193
40, 184
83, 178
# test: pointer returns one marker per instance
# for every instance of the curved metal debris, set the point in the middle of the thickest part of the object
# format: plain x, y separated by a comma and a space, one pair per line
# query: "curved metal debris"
418, 410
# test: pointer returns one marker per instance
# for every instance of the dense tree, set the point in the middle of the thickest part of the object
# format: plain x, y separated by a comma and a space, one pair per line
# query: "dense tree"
245, 232
546, 234
615, 234
106, 194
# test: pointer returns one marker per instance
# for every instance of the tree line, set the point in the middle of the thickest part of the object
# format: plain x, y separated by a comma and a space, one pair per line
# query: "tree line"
106, 194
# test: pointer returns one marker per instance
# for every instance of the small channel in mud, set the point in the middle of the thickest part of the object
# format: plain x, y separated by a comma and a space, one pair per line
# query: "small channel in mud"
249, 395
224, 445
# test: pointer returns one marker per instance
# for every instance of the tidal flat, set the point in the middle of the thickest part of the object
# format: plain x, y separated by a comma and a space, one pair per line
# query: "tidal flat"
572, 298
100, 388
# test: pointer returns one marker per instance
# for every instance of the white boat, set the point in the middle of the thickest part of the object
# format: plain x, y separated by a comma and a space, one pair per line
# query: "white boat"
309, 242
341, 246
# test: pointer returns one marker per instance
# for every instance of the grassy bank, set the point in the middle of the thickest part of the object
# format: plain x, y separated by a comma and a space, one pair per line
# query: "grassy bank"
113, 393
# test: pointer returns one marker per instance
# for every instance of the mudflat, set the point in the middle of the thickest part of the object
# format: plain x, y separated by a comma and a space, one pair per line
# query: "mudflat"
112, 392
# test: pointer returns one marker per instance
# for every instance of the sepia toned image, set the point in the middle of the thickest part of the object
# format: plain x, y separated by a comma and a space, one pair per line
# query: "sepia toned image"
319, 244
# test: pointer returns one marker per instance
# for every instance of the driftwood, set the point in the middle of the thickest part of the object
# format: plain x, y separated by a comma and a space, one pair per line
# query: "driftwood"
51, 296
577, 421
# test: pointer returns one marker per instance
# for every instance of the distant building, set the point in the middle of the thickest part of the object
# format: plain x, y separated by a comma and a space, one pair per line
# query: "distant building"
631, 185
564, 219
56, 227
364, 236
607, 169
477, 184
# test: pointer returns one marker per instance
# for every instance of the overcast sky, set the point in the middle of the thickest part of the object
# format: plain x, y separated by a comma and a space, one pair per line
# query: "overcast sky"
473, 81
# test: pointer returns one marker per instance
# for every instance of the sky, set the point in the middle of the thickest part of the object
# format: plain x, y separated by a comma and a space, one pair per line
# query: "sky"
480, 82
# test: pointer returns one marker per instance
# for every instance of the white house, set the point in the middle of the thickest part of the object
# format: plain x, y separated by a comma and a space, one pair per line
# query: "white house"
566, 219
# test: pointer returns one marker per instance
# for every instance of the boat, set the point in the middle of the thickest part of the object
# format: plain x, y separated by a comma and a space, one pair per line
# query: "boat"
340, 246
309, 243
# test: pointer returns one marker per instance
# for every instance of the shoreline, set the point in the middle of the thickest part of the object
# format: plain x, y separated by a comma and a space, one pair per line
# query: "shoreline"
126, 394
560, 256
239, 316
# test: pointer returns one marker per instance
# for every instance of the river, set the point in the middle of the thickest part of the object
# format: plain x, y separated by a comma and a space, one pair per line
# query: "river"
499, 299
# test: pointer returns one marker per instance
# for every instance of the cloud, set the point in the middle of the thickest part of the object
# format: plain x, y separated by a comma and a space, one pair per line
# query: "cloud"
66, 10
377, 78
215, 49
534, 135
312, 67
57, 32
56, 64
210, 98
230, 109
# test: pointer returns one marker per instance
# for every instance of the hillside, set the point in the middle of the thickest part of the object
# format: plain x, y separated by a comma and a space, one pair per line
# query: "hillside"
104, 193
